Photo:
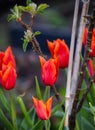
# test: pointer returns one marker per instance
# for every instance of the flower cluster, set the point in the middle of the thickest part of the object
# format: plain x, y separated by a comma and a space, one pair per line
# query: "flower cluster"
7, 69
92, 53
50, 68
60, 57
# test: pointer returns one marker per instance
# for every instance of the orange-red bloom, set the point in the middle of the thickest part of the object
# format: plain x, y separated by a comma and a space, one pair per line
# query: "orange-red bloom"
91, 67
59, 49
92, 53
7, 69
43, 110
50, 70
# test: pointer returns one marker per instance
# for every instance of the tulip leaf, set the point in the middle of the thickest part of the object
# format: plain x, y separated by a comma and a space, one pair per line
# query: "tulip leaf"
61, 125
32, 114
77, 126
47, 124
92, 110
24, 110
86, 125
5, 121
4, 101
57, 107
46, 93
38, 90
37, 125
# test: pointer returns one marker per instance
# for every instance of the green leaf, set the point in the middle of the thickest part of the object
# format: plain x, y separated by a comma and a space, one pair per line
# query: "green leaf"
37, 33
37, 125
61, 125
24, 110
46, 93
31, 8
47, 124
86, 125
4, 101
13, 110
92, 110
24, 125
5, 121
11, 17
57, 107
41, 8
16, 13
25, 43
38, 90
28, 2
77, 126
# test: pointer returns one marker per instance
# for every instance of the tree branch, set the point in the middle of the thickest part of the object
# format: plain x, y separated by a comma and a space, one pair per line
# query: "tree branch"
85, 94
77, 54
33, 40
58, 97
71, 62
82, 70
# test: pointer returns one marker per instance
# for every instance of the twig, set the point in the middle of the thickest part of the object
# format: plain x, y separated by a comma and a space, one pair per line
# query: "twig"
58, 96
82, 71
77, 53
33, 40
84, 97
85, 94
70, 62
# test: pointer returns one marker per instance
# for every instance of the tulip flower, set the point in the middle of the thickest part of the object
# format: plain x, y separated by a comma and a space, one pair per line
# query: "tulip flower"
91, 67
9, 57
92, 53
7, 69
8, 77
50, 70
43, 110
60, 50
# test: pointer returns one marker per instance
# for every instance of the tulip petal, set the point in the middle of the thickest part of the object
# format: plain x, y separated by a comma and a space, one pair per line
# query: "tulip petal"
0, 77
9, 57
49, 73
48, 106
51, 47
91, 67
9, 78
42, 60
1, 59
40, 108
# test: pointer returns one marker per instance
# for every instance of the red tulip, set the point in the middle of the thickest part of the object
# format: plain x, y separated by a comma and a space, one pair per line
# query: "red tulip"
50, 70
7, 69
9, 57
8, 77
92, 54
60, 50
1, 59
91, 67
43, 110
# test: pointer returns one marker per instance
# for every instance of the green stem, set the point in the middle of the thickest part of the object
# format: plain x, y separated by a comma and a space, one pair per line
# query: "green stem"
13, 111
25, 112
47, 125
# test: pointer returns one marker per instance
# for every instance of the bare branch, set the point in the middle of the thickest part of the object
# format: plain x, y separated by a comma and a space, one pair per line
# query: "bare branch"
77, 53
71, 61
82, 71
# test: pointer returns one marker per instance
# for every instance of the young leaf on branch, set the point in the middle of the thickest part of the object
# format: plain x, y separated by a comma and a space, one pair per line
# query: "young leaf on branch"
16, 13
42, 7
